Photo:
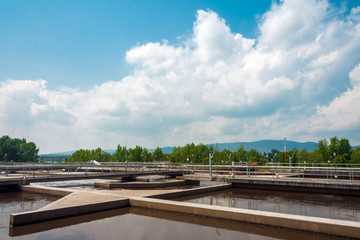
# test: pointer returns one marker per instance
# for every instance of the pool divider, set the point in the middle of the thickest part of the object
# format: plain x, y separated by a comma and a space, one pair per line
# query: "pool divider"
60, 192
296, 222
305, 186
139, 185
83, 202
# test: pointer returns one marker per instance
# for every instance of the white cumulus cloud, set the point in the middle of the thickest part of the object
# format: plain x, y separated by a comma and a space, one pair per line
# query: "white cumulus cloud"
298, 79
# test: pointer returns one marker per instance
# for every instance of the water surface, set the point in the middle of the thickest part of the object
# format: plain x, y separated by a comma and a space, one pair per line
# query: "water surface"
15, 202
315, 205
136, 223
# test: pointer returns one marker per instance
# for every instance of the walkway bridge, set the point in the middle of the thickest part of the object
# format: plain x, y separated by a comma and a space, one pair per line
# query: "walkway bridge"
16, 176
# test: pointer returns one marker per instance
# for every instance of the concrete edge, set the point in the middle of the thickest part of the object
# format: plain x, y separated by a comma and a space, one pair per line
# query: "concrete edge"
299, 186
139, 185
17, 219
188, 192
303, 223
46, 190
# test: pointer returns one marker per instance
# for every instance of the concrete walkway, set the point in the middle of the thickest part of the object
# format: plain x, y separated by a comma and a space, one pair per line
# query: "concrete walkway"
77, 202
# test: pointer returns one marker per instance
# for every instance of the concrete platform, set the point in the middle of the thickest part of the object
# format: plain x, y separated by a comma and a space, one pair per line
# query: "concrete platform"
26, 179
288, 221
73, 204
139, 185
82, 202
305, 185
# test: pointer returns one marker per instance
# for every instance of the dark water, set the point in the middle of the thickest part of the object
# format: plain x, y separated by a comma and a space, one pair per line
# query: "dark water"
15, 202
315, 205
135, 223
88, 184
132, 223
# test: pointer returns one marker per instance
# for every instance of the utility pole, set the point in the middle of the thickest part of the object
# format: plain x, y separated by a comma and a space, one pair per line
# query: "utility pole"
210, 160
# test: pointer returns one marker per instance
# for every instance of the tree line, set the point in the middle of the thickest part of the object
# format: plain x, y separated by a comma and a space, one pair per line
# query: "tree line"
17, 150
338, 151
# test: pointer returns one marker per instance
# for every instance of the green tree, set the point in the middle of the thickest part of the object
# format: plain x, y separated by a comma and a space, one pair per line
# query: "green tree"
323, 150
135, 154
120, 154
339, 150
17, 150
334, 146
200, 153
81, 155
29, 151
304, 156
146, 156
175, 155
241, 153
158, 155
355, 155
254, 156
315, 157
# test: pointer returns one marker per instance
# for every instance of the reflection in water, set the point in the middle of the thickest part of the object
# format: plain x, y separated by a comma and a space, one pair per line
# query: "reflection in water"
138, 223
88, 184
15, 202
131, 223
315, 205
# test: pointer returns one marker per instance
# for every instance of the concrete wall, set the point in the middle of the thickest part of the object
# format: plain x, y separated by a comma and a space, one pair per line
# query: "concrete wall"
46, 190
139, 185
299, 186
295, 222
194, 191
17, 219
303, 223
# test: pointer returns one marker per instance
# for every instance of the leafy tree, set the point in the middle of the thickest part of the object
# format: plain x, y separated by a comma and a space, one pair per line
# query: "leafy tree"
303, 156
200, 153
135, 154
315, 157
158, 154
323, 150
176, 154
28, 151
146, 156
17, 150
241, 153
120, 154
339, 150
334, 146
355, 155
255, 156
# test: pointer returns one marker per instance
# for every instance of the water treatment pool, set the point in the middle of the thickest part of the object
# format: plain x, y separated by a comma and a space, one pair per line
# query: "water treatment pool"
15, 202
130, 223
136, 223
315, 205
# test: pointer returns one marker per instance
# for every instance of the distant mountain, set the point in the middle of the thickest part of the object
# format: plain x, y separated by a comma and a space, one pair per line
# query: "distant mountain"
261, 146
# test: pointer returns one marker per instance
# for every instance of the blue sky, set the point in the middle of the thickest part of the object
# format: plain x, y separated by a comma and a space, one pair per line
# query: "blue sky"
82, 43
83, 74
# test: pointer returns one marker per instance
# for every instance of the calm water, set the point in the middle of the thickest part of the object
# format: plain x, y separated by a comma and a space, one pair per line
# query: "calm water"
130, 223
15, 202
88, 184
315, 205
135, 223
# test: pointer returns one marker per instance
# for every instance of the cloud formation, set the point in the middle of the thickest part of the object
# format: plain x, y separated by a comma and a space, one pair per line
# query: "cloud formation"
300, 79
